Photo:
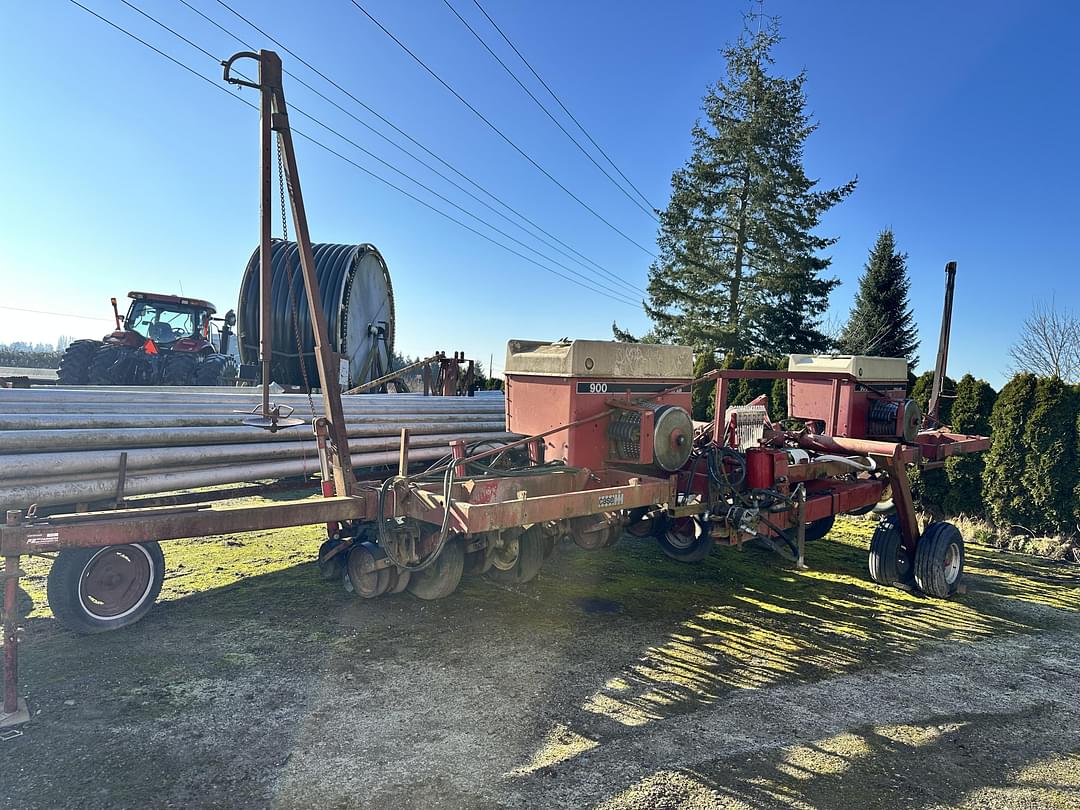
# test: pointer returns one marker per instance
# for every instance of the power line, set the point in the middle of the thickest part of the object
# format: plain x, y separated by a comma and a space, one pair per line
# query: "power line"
455, 170
58, 314
547, 112
581, 283
501, 134
375, 157
540, 79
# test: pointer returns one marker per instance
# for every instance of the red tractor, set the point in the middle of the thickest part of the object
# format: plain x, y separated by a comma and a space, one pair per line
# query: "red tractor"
163, 340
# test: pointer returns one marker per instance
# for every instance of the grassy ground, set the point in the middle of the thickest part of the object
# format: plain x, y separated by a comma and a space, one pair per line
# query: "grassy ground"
618, 679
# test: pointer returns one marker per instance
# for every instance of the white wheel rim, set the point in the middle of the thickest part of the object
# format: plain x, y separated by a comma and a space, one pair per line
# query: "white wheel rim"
951, 564
142, 597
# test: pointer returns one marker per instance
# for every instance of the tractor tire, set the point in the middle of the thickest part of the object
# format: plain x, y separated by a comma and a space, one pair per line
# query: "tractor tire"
530, 559
93, 590
939, 560
108, 366
217, 370
816, 529
75, 363
179, 369
890, 563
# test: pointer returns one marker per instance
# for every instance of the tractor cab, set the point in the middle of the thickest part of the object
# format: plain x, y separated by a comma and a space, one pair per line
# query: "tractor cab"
169, 321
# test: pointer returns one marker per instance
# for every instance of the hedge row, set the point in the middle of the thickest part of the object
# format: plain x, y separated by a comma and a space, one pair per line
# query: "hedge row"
15, 358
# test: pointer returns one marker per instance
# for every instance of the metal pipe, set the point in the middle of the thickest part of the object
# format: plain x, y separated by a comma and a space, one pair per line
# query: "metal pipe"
70, 423
90, 490
22, 443
107, 462
221, 395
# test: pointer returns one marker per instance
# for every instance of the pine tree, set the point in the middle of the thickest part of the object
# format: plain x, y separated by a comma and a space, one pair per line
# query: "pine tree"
738, 267
881, 321
1007, 501
970, 414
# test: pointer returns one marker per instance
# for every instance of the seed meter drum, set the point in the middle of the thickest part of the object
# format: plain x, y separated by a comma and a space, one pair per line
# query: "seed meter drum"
654, 435
553, 384
357, 300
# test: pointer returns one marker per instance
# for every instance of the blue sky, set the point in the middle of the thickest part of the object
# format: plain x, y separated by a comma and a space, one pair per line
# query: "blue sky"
121, 171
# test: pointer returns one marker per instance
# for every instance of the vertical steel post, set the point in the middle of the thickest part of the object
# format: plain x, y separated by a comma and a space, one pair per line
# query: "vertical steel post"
403, 454
11, 648
934, 414
266, 149
325, 358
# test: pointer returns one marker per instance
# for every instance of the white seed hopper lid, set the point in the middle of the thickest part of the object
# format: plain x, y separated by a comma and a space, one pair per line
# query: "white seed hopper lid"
599, 358
864, 367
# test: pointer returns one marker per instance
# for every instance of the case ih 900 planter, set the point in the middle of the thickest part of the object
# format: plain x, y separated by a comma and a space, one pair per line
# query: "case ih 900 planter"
608, 446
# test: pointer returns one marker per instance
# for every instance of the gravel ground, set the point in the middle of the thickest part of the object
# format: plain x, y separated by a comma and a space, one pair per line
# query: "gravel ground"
617, 680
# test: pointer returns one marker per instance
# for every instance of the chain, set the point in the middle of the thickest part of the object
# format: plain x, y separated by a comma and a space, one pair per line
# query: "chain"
289, 274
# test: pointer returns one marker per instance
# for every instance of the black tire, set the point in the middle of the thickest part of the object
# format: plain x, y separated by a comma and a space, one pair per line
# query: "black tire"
331, 569
108, 366
216, 369
816, 529
441, 578
72, 582
686, 540
890, 563
75, 363
530, 559
179, 369
939, 560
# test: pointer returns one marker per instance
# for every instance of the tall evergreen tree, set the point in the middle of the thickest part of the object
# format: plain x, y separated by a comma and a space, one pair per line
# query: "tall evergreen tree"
738, 267
1007, 500
970, 414
882, 322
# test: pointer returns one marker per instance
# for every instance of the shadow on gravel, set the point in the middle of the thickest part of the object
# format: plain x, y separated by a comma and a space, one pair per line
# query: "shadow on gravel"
769, 625
951, 761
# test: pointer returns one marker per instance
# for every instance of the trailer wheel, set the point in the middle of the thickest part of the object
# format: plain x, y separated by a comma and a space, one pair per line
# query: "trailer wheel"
98, 589
441, 578
939, 560
817, 529
686, 540
890, 563
529, 559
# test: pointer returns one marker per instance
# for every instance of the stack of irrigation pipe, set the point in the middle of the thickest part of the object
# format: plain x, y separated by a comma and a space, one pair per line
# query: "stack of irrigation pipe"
68, 446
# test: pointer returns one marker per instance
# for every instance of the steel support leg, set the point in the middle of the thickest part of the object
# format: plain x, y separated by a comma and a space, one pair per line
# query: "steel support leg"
14, 709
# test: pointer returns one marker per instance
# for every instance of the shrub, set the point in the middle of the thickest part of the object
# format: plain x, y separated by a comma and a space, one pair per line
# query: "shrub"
1050, 472
1007, 502
970, 414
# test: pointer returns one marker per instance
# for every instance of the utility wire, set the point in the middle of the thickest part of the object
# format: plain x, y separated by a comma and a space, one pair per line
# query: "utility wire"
455, 170
648, 210
502, 134
378, 159
58, 314
602, 282
316, 142
558, 100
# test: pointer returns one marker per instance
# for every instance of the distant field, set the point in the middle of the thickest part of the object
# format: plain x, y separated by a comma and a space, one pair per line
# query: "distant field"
44, 373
